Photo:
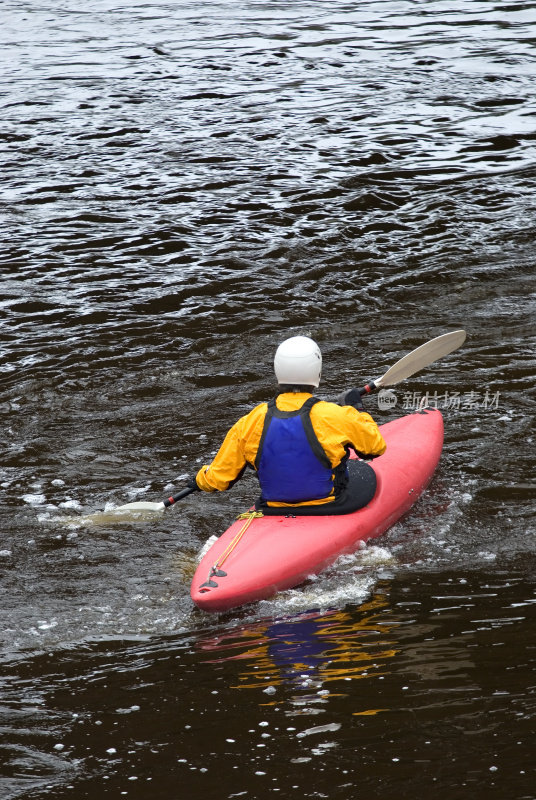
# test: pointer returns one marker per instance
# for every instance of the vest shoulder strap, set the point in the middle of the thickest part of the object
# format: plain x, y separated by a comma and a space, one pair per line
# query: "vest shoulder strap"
312, 438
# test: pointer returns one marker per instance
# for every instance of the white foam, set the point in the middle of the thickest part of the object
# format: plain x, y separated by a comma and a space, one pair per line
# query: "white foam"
206, 547
71, 504
34, 499
46, 626
375, 556
137, 490
323, 592
487, 556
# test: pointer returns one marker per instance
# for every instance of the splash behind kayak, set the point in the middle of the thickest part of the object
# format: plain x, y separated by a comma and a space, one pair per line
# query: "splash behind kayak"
257, 557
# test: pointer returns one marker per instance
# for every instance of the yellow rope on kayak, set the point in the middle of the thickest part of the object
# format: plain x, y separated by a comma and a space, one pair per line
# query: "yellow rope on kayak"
249, 516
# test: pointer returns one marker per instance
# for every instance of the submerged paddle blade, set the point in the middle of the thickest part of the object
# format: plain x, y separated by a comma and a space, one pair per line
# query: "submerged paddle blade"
132, 512
142, 505
138, 506
422, 357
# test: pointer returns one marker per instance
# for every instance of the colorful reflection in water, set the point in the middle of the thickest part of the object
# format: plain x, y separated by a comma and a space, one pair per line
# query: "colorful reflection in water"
309, 651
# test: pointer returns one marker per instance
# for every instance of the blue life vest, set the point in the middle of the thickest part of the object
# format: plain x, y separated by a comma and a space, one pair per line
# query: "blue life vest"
291, 464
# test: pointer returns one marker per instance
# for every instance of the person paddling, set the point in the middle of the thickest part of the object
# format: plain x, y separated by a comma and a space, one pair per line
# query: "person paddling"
297, 444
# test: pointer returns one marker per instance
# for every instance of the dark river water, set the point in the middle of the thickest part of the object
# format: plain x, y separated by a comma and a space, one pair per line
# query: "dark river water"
182, 186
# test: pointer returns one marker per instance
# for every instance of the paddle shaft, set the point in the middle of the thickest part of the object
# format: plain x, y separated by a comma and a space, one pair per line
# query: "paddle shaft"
184, 493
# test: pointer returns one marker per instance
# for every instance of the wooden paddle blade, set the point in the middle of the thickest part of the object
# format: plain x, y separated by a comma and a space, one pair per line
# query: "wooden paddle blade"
422, 357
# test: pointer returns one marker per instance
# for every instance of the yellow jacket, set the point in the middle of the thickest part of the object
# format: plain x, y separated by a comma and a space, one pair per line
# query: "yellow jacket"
335, 426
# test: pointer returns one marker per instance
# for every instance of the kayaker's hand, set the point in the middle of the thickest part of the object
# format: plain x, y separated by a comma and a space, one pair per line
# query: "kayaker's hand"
191, 483
365, 456
351, 397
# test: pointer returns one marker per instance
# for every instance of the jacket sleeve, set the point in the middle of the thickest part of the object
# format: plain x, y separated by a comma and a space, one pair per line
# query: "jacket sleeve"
239, 449
361, 432
228, 463
368, 439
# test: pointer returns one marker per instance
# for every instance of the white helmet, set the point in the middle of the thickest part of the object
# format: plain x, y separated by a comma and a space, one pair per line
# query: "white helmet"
298, 361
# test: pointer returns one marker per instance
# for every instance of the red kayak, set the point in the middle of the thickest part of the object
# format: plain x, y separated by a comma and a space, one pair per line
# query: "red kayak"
261, 555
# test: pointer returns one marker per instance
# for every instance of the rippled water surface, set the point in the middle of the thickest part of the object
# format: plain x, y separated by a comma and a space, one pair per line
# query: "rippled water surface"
183, 185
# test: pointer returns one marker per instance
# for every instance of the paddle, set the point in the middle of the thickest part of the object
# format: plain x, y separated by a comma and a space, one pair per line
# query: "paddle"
413, 362
417, 360
148, 506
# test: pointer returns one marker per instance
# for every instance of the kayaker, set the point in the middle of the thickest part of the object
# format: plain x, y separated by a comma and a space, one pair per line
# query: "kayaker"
297, 444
